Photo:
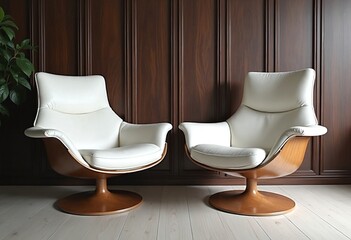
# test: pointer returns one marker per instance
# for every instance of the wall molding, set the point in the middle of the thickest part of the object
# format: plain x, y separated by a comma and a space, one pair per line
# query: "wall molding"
227, 28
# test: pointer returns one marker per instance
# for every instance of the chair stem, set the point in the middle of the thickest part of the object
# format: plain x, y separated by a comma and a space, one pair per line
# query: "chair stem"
251, 186
101, 186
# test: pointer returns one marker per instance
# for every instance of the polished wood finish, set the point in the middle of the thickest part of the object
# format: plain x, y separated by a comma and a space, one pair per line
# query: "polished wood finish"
251, 201
336, 54
98, 202
151, 62
194, 54
286, 162
63, 163
104, 50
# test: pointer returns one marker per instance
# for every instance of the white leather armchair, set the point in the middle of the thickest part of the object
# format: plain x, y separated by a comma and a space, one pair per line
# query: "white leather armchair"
85, 138
265, 138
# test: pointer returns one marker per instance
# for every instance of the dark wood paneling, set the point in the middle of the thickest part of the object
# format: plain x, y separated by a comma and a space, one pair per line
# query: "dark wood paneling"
294, 34
198, 60
107, 49
59, 36
152, 61
294, 45
247, 46
151, 64
199, 83
336, 87
185, 60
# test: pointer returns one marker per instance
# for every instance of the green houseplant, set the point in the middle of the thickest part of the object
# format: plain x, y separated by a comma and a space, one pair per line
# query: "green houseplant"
15, 68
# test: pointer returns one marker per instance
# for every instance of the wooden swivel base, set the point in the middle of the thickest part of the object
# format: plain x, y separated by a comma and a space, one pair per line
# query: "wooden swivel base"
99, 202
251, 203
92, 203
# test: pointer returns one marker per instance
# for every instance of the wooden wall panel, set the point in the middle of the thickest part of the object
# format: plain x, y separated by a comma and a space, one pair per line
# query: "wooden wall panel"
294, 42
294, 35
151, 64
198, 70
198, 60
336, 87
247, 46
151, 69
107, 49
58, 47
185, 60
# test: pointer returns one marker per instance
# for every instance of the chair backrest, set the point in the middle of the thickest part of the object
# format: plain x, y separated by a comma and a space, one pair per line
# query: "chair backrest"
77, 106
272, 103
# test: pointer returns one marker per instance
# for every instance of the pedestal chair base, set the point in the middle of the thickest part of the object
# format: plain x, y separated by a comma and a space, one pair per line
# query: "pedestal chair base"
101, 203
251, 203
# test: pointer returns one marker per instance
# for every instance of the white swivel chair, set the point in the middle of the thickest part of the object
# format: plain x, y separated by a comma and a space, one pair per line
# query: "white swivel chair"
84, 138
265, 138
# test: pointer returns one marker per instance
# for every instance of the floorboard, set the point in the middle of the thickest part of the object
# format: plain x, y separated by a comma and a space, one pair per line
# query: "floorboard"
175, 213
174, 222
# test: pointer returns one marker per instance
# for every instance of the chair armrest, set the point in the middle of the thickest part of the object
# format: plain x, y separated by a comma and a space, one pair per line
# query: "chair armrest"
155, 133
307, 131
206, 133
37, 132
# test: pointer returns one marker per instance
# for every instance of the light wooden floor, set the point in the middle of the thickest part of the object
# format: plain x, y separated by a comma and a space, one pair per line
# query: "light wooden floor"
175, 212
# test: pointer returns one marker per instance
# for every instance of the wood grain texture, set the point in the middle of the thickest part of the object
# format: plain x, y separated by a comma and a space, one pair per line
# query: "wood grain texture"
59, 39
198, 64
336, 85
294, 35
186, 60
294, 45
322, 212
246, 47
198, 59
152, 61
108, 49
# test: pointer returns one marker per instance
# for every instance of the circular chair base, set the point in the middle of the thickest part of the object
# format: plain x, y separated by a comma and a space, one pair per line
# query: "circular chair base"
102, 203
253, 204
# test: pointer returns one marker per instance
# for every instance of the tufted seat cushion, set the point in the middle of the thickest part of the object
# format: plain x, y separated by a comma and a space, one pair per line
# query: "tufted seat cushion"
123, 158
224, 157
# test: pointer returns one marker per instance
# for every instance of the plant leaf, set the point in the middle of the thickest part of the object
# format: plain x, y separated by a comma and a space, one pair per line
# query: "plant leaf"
25, 65
2, 14
24, 82
25, 44
17, 95
9, 23
10, 44
6, 54
14, 75
9, 32
3, 40
4, 92
3, 110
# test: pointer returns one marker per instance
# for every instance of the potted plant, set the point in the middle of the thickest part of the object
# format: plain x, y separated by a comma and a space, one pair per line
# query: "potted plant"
15, 68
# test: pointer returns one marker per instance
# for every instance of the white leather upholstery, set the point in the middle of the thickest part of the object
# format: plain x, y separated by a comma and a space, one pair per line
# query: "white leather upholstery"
278, 91
144, 133
71, 94
274, 108
227, 157
75, 110
123, 158
206, 133
37, 132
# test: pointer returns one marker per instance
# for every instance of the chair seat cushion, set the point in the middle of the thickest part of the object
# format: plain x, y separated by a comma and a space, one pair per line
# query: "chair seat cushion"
123, 158
225, 157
